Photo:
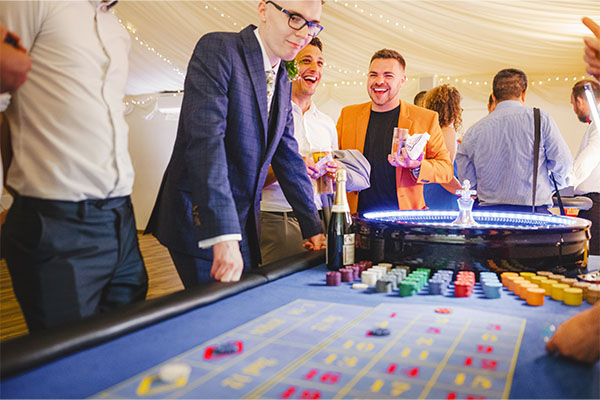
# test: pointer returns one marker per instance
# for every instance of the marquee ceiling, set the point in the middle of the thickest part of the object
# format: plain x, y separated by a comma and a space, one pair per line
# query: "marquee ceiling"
456, 39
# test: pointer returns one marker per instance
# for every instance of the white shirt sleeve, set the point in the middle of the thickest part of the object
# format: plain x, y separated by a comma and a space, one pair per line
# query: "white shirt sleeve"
587, 159
204, 244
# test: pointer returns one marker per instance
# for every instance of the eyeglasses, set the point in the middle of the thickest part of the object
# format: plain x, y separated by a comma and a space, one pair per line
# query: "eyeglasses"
297, 21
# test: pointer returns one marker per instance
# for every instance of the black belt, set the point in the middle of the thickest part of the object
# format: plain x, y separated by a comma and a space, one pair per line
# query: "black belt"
67, 208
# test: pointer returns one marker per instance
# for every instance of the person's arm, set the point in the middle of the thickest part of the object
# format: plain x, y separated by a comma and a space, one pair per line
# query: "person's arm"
436, 165
203, 121
5, 145
465, 168
357, 167
558, 156
450, 141
452, 186
271, 178
578, 337
14, 62
587, 159
592, 48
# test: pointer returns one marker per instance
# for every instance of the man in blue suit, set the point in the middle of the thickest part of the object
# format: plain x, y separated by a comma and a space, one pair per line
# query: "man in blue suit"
236, 120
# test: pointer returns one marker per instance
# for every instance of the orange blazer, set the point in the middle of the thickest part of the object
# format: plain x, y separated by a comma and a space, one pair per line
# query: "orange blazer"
436, 166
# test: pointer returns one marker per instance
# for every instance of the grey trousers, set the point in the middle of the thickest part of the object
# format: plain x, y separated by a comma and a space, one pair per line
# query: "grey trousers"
280, 236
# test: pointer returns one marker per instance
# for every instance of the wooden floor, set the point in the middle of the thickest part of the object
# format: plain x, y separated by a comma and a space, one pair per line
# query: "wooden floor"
163, 279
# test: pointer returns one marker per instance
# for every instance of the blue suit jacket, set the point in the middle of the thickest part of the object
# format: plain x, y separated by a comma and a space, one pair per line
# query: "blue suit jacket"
225, 144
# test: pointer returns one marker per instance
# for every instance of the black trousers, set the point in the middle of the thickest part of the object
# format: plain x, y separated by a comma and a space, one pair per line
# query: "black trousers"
593, 214
69, 260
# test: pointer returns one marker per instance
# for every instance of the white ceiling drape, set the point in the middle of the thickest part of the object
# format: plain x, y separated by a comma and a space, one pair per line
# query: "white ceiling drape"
465, 42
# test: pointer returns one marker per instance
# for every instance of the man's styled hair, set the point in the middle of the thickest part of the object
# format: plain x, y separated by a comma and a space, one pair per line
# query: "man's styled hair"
387, 53
490, 100
509, 83
317, 43
578, 90
419, 97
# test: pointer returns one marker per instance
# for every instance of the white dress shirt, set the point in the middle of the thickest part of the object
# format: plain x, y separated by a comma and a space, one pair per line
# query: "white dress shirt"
69, 135
586, 167
203, 244
314, 131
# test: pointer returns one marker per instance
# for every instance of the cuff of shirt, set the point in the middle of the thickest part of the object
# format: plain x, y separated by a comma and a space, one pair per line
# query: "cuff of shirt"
204, 244
4, 101
416, 172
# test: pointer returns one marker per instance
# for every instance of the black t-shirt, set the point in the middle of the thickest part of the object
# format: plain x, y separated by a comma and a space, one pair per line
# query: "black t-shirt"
378, 144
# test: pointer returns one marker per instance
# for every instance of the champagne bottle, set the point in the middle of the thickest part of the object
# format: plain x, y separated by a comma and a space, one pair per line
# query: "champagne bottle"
340, 238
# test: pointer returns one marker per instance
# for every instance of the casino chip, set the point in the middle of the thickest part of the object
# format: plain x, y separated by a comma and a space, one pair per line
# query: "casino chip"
171, 373
443, 310
547, 331
379, 332
226, 348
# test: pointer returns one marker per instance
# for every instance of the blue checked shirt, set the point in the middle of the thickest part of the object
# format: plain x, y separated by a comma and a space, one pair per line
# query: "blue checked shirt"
496, 155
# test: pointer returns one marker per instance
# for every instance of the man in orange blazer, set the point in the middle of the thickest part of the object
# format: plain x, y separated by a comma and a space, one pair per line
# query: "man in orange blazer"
396, 182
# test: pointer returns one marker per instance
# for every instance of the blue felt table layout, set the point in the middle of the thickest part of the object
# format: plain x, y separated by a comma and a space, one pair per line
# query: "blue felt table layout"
318, 349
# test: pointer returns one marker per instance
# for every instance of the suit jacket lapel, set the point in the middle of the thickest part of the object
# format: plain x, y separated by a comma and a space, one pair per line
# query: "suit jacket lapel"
362, 123
256, 70
279, 107
404, 120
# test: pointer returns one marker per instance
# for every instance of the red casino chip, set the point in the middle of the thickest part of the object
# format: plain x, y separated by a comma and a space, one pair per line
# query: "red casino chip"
224, 349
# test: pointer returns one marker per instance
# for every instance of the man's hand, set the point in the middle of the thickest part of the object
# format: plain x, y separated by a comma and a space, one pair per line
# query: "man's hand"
592, 48
404, 160
227, 261
312, 171
578, 337
329, 168
316, 242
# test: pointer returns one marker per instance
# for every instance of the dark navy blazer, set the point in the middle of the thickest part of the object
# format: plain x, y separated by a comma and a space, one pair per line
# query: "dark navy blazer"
224, 146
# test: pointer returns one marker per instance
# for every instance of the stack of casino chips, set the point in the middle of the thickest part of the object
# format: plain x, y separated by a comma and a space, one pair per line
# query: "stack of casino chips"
490, 284
350, 273
334, 278
382, 277
592, 294
363, 266
464, 283
414, 282
533, 287
439, 282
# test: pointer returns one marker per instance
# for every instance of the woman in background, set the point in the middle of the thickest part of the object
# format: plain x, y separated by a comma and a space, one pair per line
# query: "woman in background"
445, 100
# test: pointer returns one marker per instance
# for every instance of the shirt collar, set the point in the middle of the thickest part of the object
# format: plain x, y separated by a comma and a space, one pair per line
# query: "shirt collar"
509, 103
266, 60
311, 109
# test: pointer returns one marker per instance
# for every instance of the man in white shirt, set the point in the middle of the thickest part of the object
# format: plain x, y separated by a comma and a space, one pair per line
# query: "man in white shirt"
70, 237
280, 234
585, 177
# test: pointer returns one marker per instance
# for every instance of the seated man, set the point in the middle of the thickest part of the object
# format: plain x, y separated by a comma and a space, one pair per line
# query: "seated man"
396, 183
496, 153
280, 234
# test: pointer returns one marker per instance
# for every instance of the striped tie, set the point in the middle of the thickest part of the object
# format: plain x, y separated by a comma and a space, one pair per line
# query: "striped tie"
270, 87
